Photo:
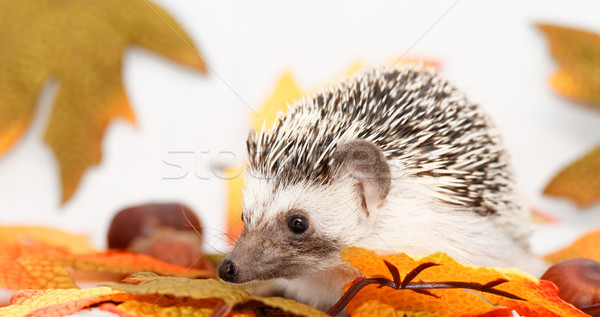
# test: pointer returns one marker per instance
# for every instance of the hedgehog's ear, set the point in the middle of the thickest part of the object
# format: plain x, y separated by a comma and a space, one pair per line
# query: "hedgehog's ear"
365, 162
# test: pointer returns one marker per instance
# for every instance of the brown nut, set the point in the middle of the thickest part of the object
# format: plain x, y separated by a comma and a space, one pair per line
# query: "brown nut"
179, 247
578, 282
138, 221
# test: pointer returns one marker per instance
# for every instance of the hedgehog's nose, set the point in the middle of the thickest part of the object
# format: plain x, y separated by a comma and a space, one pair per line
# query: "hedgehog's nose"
228, 271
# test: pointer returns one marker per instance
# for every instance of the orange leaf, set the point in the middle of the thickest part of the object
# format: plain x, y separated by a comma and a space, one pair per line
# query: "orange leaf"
578, 55
580, 181
12, 273
587, 246
70, 243
81, 44
39, 267
541, 296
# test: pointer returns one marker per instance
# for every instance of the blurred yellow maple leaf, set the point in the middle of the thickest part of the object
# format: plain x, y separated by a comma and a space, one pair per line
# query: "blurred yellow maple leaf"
578, 55
82, 44
285, 92
580, 181
541, 297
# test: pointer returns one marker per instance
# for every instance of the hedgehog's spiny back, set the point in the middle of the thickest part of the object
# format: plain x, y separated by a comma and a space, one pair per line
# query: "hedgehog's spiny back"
416, 118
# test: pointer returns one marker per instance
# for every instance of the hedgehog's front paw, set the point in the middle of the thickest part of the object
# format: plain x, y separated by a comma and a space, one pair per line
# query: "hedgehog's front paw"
264, 289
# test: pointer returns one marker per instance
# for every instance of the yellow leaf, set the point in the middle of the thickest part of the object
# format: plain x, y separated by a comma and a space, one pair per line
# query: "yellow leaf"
209, 289
580, 181
578, 55
286, 91
156, 306
354, 68
235, 186
149, 283
58, 302
81, 43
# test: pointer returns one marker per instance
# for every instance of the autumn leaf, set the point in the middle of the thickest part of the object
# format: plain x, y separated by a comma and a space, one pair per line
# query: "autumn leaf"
38, 266
81, 43
286, 91
58, 302
587, 246
62, 302
70, 243
146, 294
578, 77
146, 283
578, 55
160, 306
225, 296
580, 181
541, 297
235, 187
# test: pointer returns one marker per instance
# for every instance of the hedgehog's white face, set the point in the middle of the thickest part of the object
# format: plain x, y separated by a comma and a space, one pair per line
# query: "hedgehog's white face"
295, 230
292, 231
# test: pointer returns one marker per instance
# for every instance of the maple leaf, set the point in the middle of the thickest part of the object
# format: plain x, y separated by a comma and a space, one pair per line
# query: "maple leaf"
580, 181
223, 298
540, 297
578, 55
70, 243
81, 43
58, 302
586, 247
39, 266
171, 308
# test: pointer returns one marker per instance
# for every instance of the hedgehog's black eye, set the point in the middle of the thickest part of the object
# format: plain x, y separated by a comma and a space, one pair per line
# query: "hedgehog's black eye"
298, 224
244, 217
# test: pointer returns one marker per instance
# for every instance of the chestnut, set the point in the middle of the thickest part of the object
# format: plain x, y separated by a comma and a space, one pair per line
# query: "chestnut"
578, 282
170, 232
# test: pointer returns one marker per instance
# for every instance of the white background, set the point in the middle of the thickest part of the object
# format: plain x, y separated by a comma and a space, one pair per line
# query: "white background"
489, 49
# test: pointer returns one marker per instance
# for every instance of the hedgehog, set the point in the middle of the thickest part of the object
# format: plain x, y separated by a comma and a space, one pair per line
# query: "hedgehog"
392, 160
